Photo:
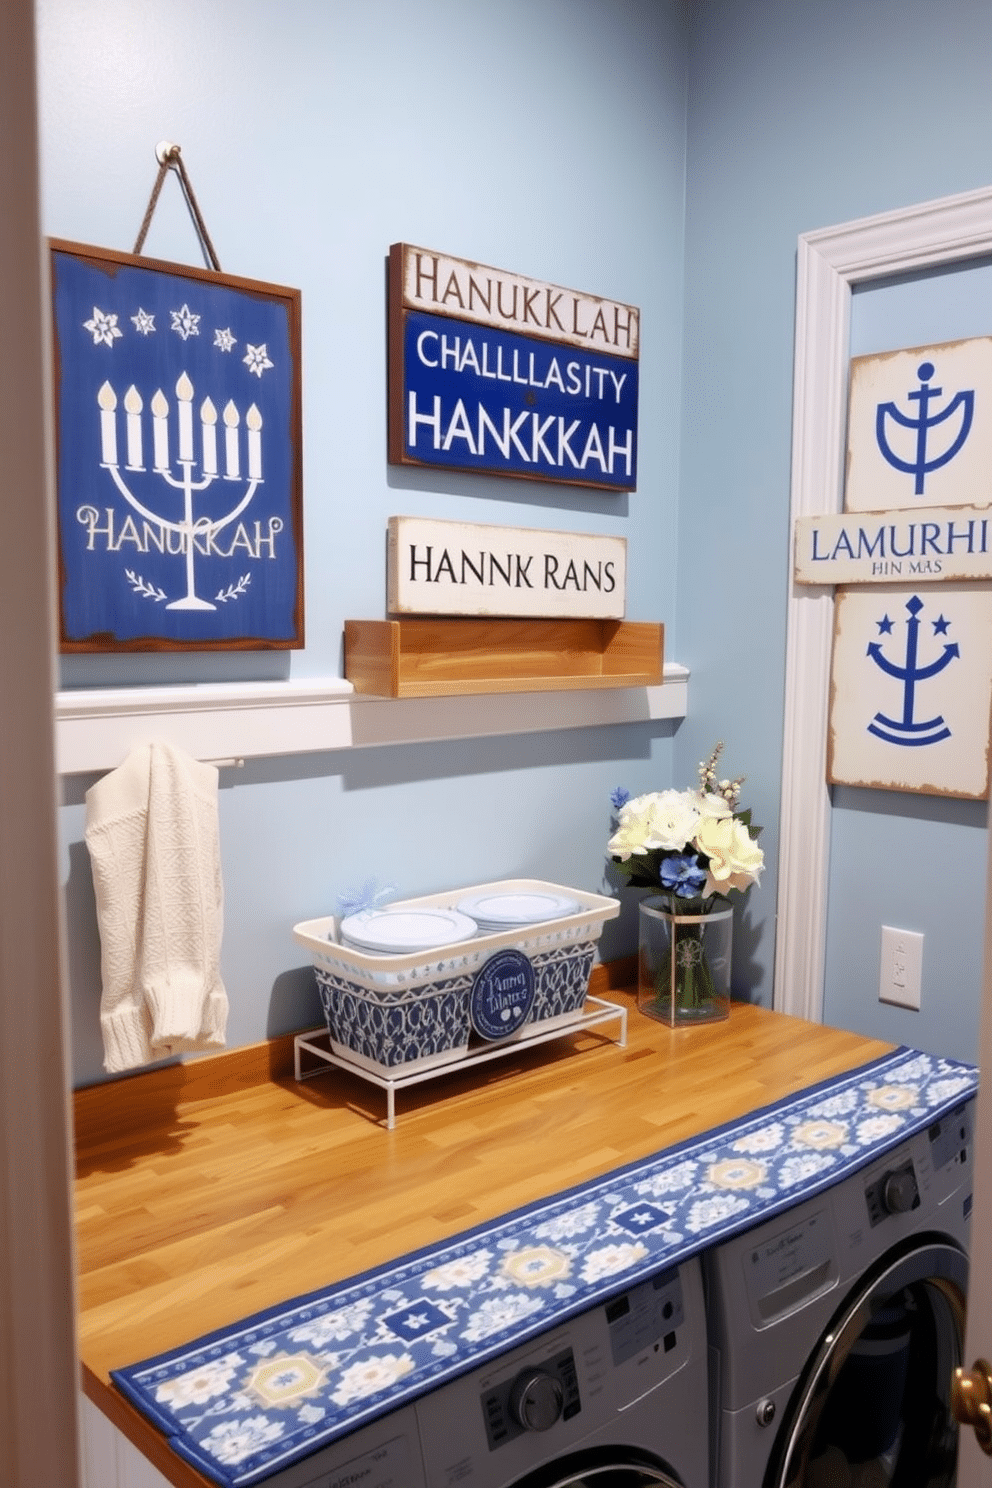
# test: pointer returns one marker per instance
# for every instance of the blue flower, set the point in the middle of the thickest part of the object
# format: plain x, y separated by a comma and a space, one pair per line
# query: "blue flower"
619, 797
368, 896
683, 875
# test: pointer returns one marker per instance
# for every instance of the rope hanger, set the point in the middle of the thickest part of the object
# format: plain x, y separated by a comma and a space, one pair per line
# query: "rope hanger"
169, 157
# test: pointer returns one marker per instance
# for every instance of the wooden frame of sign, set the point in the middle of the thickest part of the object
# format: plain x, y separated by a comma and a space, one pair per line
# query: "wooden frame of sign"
178, 449
493, 372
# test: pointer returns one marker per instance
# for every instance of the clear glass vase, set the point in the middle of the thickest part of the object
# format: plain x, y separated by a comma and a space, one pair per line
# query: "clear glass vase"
683, 975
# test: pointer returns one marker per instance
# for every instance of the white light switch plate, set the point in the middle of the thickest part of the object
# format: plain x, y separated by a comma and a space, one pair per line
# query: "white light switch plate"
901, 975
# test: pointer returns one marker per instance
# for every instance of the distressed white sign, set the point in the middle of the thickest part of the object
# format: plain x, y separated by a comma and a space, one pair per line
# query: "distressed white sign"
920, 427
911, 689
922, 545
911, 677
443, 285
468, 568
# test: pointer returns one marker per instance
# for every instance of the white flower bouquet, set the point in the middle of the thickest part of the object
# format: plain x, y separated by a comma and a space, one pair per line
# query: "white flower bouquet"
692, 848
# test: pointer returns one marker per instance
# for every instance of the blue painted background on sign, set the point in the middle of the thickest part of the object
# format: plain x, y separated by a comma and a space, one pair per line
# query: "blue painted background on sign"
133, 332
502, 994
476, 398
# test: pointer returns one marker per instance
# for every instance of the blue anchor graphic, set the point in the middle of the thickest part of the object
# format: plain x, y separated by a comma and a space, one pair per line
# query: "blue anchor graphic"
921, 466
906, 730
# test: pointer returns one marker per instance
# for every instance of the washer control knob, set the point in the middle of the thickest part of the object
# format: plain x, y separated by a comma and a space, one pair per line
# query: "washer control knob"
899, 1191
765, 1412
536, 1399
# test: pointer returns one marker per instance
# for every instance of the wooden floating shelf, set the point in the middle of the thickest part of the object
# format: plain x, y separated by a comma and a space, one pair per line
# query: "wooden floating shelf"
445, 657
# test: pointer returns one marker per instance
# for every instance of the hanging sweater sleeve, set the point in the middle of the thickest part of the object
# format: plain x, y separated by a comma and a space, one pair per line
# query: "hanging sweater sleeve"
182, 910
116, 836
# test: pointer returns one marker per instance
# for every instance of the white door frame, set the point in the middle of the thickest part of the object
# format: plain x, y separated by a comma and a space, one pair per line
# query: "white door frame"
830, 263
38, 1372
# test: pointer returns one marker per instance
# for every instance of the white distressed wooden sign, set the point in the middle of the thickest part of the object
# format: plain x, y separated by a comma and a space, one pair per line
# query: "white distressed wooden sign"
921, 545
911, 689
440, 284
920, 427
911, 674
467, 568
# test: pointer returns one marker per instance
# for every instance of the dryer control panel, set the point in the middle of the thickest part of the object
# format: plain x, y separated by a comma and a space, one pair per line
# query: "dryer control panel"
629, 1371
533, 1400
896, 1191
927, 1169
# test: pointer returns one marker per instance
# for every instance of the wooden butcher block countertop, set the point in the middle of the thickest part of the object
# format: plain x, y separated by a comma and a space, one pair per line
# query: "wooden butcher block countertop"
209, 1190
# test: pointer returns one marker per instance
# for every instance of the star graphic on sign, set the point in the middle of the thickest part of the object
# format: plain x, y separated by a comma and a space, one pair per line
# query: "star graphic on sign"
257, 359
884, 625
224, 339
185, 322
941, 626
144, 323
103, 327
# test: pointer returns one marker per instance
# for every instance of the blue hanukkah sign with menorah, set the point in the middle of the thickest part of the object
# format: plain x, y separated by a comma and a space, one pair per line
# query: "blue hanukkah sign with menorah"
178, 456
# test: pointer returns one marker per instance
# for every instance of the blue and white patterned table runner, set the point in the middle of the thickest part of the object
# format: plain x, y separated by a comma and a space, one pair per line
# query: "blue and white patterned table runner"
242, 1403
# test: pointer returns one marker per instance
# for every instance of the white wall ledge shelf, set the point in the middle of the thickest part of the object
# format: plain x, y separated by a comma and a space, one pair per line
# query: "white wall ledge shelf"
97, 727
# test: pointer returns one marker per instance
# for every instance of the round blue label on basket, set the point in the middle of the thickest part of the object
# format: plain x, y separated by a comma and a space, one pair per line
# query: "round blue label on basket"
502, 994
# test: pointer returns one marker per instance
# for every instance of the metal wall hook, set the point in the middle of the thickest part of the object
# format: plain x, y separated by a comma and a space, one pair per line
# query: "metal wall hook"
169, 157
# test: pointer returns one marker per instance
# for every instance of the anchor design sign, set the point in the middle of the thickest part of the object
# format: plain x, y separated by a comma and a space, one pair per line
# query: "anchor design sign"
911, 556
908, 730
920, 427
924, 461
179, 482
911, 689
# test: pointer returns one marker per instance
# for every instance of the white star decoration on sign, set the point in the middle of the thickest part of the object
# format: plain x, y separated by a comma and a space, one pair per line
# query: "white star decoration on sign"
144, 323
224, 339
104, 328
185, 322
257, 359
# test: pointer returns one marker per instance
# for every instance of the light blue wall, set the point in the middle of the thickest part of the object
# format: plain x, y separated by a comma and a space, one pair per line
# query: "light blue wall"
572, 140
801, 114
543, 138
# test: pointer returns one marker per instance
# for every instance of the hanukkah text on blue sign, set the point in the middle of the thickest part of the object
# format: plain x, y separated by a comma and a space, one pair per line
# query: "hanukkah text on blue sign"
496, 373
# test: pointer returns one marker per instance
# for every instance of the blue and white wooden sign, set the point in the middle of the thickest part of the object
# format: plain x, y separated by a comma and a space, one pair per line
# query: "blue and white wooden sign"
920, 427
911, 674
491, 371
178, 456
912, 689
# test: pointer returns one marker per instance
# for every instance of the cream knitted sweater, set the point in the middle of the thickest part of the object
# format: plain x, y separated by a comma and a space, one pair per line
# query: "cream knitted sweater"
152, 834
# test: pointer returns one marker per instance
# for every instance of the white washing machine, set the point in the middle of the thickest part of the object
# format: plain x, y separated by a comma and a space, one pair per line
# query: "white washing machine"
835, 1328
614, 1398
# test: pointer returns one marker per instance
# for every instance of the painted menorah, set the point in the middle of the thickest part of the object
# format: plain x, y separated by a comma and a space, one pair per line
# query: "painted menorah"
186, 527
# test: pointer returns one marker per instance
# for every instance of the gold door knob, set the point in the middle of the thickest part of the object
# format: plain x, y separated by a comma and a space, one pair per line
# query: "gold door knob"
971, 1401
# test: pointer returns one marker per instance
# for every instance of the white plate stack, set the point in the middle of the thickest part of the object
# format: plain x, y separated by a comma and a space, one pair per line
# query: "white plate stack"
399, 932
496, 912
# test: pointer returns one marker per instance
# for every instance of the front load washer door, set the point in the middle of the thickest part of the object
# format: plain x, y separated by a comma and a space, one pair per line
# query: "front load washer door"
602, 1467
872, 1407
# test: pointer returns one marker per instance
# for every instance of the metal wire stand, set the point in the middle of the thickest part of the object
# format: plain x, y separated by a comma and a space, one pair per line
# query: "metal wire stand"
316, 1042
